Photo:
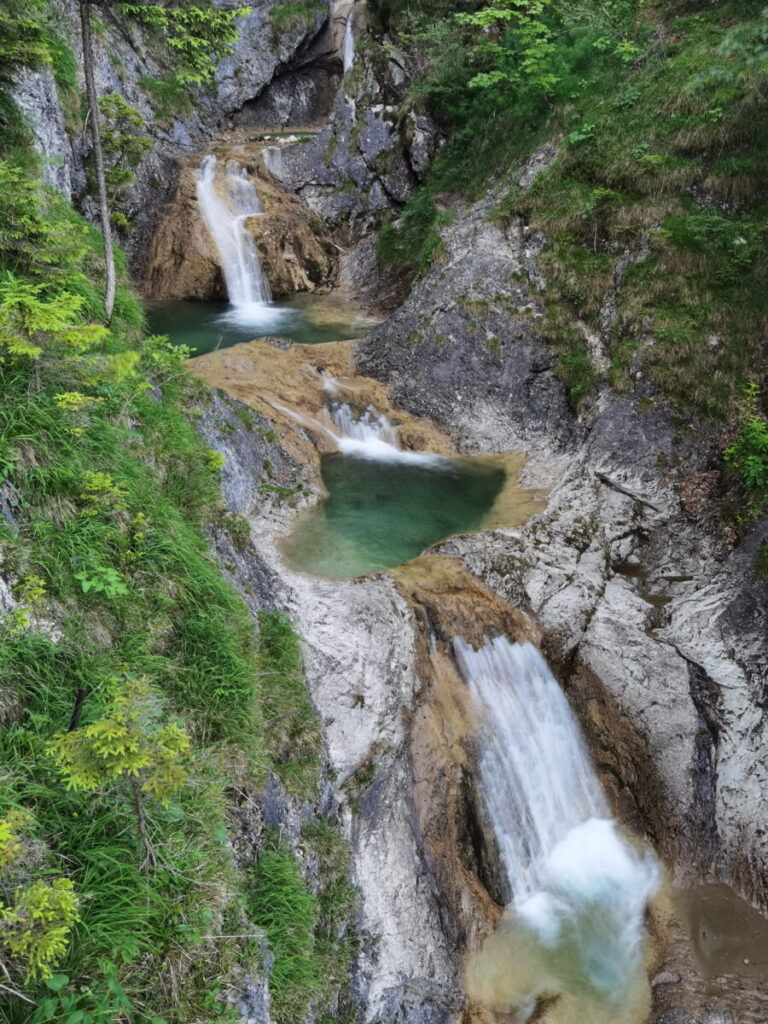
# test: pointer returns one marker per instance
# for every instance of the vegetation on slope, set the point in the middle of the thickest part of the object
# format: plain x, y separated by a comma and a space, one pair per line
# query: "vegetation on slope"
658, 192
119, 895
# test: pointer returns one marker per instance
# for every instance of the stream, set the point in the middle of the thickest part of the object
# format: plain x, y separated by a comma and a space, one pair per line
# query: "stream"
573, 928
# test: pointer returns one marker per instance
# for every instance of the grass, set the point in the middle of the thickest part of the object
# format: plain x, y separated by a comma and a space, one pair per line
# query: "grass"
290, 15
278, 902
150, 945
292, 729
168, 96
667, 167
309, 935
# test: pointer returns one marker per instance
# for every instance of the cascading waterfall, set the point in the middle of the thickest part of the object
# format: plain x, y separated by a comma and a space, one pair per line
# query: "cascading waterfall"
579, 890
367, 427
348, 54
227, 199
367, 436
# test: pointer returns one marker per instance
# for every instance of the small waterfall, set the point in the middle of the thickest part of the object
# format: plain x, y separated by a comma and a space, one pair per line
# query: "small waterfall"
227, 200
369, 436
349, 43
368, 427
579, 890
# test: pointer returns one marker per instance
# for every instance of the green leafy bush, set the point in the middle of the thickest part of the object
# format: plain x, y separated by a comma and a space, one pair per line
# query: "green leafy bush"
413, 241
198, 34
749, 452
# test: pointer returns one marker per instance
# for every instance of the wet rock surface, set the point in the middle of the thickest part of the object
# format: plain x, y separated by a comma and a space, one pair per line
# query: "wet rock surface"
125, 58
295, 249
360, 666
656, 628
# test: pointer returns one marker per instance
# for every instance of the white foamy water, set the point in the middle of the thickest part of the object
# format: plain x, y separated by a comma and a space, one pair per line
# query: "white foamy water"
366, 427
372, 436
348, 54
367, 436
227, 199
579, 890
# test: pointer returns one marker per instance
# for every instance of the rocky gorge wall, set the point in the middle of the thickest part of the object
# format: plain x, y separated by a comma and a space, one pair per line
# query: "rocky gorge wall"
656, 626
125, 60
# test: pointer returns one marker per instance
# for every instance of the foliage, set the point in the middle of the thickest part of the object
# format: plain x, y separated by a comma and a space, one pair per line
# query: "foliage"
27, 319
11, 845
123, 147
63, 62
131, 740
114, 488
278, 902
528, 57
413, 241
198, 34
35, 930
102, 579
748, 454
168, 95
292, 733
288, 15
23, 40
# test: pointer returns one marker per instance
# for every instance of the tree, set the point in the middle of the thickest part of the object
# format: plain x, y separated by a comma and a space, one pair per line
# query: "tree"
38, 916
94, 115
197, 34
132, 747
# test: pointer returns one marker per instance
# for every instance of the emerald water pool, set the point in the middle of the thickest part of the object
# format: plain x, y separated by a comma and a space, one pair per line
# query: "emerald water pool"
306, 318
380, 512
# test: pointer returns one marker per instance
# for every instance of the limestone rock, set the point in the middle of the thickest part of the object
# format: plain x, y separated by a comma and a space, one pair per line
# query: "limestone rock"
294, 248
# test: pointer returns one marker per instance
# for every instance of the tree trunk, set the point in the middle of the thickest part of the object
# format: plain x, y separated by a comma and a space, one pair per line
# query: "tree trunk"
93, 109
149, 860
78, 709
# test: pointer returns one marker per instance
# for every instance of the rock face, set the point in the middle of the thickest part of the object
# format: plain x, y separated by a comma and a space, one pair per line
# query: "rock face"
294, 247
128, 61
368, 157
656, 628
361, 668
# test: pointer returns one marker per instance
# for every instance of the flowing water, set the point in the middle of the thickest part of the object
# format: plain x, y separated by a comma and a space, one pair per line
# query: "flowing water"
574, 926
385, 505
349, 44
228, 199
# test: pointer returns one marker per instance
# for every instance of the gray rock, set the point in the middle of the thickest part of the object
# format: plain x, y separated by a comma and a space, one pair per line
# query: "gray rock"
359, 653
674, 653
37, 98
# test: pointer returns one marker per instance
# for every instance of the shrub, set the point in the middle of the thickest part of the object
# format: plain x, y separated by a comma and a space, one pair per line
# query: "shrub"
749, 452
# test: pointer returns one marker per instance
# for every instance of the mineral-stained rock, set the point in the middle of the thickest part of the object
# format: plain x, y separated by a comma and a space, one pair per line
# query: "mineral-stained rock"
295, 250
656, 629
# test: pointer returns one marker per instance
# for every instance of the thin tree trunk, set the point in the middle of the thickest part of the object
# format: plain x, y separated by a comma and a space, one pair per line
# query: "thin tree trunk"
78, 709
93, 106
150, 858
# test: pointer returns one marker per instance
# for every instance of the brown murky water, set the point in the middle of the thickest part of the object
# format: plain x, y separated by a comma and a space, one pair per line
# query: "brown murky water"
727, 934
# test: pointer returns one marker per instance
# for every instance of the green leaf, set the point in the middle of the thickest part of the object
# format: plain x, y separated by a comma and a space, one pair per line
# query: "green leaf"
56, 982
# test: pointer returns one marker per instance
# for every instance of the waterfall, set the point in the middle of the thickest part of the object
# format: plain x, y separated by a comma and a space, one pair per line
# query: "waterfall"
368, 436
349, 43
367, 427
372, 436
579, 890
227, 200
